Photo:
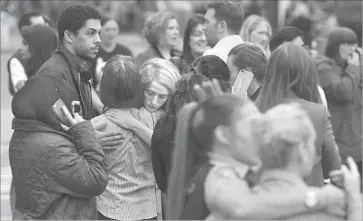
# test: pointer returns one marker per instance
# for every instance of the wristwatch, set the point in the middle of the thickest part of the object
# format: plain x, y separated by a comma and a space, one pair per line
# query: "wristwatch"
311, 199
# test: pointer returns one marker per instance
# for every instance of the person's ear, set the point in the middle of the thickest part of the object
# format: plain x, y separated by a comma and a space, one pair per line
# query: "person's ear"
303, 155
69, 36
222, 26
222, 135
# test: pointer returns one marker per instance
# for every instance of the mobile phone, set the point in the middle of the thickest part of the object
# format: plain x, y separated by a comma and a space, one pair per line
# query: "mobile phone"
57, 106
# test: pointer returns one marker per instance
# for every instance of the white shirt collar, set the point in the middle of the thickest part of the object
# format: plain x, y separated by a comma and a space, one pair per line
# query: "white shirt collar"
224, 46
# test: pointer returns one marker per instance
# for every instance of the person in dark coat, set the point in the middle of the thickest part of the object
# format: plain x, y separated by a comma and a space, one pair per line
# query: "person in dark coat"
162, 141
340, 77
65, 167
291, 77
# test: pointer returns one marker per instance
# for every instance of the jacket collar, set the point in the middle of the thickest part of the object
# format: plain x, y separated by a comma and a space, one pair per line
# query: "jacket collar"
35, 126
76, 63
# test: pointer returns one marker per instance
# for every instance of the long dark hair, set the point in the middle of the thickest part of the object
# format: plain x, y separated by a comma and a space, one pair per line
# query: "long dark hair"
194, 139
42, 41
290, 69
193, 22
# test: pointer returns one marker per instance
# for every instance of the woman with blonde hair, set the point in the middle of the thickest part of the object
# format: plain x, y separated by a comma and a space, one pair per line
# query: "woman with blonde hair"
161, 31
257, 30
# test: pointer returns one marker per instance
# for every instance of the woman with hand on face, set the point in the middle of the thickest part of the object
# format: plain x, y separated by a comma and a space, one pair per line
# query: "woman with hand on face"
340, 77
257, 30
246, 63
194, 43
161, 30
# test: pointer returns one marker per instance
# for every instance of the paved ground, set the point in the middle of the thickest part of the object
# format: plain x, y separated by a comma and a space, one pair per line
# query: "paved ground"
133, 41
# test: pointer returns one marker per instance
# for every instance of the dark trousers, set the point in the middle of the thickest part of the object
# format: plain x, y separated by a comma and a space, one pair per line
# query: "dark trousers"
359, 165
102, 217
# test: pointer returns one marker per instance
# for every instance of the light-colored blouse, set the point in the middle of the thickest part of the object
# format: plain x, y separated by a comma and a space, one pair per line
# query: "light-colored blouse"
131, 192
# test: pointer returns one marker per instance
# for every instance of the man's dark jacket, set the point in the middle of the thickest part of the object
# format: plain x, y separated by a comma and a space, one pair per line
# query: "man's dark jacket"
56, 174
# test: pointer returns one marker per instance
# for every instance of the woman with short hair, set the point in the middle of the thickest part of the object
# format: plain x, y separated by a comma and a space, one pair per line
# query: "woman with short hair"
341, 80
161, 31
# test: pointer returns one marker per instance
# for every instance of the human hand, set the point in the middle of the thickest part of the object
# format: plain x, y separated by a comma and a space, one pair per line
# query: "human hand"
335, 201
207, 90
66, 119
351, 178
122, 118
109, 139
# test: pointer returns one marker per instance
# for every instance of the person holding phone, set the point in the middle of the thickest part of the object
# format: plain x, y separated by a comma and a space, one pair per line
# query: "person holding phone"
56, 157
247, 63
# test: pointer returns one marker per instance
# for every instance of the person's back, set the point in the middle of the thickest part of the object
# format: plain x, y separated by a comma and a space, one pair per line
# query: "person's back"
130, 193
327, 156
131, 177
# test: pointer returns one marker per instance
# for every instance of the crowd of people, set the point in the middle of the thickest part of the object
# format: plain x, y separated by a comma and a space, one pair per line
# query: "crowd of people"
241, 122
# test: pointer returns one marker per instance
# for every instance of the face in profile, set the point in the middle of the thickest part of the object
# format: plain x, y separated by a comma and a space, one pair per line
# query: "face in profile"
260, 35
156, 96
171, 36
243, 144
211, 27
109, 31
198, 39
24, 50
86, 43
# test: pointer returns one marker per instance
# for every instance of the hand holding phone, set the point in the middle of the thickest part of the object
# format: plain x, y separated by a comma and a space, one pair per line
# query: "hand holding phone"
64, 116
242, 82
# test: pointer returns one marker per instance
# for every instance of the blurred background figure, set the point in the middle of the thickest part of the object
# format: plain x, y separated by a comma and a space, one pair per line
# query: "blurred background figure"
194, 41
161, 30
108, 48
257, 30
16, 64
340, 77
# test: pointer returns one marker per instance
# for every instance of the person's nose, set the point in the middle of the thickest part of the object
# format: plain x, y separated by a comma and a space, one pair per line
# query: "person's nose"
97, 39
203, 37
154, 101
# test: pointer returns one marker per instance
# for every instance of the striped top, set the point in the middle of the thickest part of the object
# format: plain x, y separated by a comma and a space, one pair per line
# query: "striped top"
130, 193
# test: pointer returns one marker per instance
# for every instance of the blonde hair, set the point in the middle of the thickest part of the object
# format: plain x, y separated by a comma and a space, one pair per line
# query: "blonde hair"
161, 71
283, 128
251, 24
155, 25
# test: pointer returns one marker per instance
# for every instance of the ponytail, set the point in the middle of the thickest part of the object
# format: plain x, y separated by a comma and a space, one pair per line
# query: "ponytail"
181, 154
